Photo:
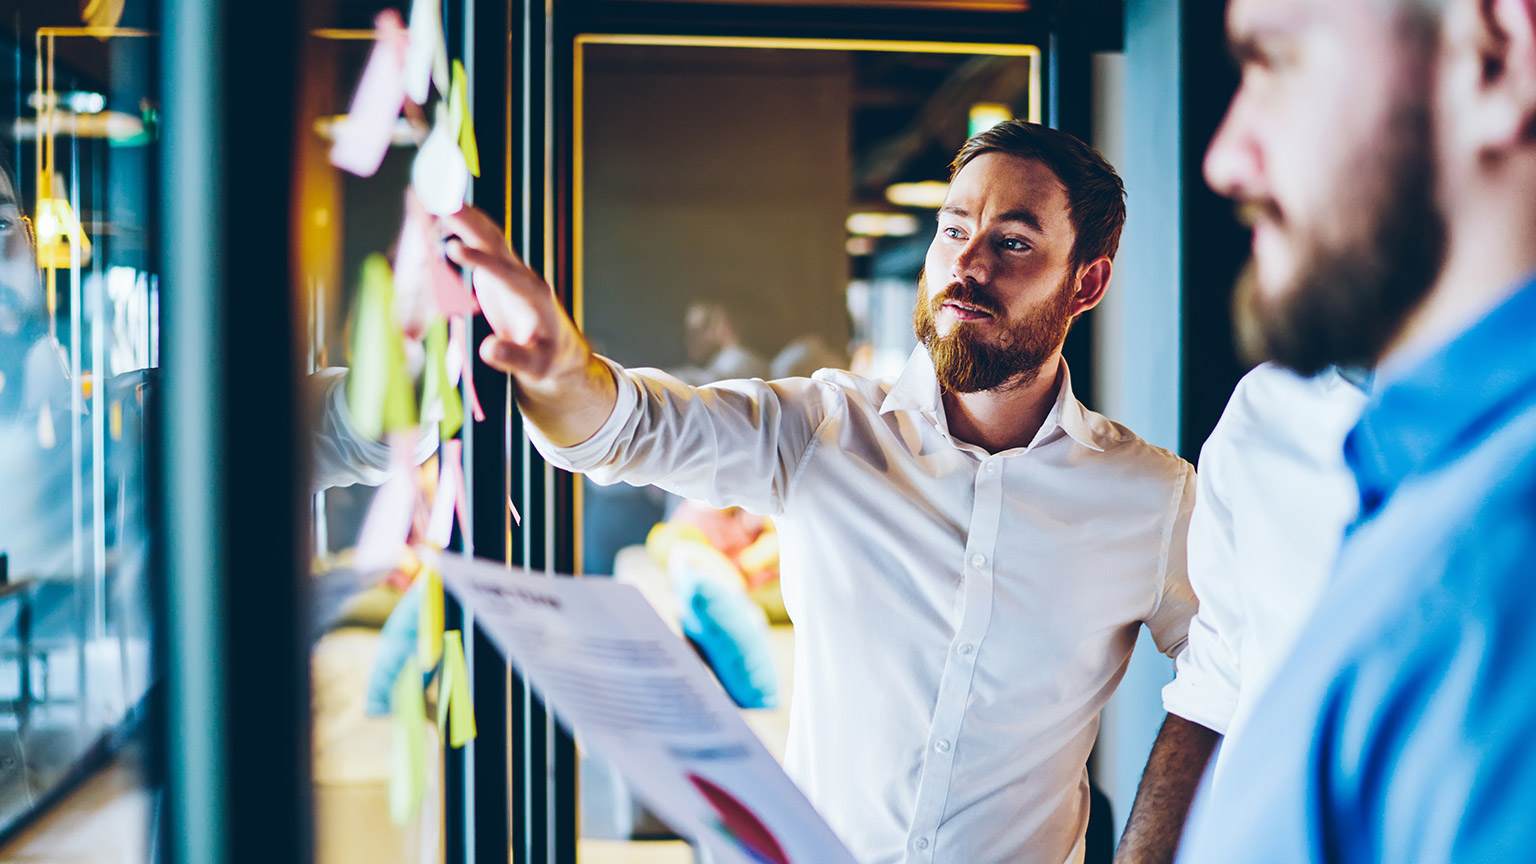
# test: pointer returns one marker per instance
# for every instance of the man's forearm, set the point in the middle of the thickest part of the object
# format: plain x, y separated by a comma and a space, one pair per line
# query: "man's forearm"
1174, 769
570, 411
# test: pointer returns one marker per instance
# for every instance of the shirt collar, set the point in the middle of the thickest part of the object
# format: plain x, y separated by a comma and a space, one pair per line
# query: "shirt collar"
1447, 403
917, 389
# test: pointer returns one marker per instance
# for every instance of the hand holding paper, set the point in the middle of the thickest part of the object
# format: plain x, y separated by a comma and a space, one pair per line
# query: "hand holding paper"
562, 387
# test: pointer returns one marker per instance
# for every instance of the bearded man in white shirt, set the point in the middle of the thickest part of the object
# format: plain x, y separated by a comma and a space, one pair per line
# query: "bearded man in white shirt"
966, 551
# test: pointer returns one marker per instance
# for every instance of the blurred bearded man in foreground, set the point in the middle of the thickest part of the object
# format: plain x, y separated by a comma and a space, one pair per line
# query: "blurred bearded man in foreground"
1386, 153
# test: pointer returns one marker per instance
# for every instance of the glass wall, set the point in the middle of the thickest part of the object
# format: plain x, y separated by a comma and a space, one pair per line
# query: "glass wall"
79, 358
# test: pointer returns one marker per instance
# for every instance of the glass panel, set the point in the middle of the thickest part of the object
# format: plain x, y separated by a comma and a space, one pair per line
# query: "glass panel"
361, 261
78, 355
753, 208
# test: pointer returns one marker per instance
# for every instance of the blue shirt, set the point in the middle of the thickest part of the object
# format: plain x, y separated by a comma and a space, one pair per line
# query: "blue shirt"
1403, 727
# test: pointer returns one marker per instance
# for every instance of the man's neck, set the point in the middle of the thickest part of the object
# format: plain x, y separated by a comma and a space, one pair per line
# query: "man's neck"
1490, 253
1009, 417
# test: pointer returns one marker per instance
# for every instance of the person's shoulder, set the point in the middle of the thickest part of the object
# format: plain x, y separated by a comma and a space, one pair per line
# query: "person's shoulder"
1119, 442
853, 385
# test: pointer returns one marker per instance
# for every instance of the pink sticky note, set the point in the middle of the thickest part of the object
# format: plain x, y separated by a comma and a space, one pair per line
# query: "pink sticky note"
381, 541
413, 302
448, 289
457, 334
450, 494
363, 137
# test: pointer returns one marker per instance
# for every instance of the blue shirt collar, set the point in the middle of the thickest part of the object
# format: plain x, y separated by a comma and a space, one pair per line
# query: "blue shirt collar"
1447, 403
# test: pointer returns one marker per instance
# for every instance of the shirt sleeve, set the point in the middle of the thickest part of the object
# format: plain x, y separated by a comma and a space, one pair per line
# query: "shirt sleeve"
1169, 622
1205, 687
343, 456
731, 444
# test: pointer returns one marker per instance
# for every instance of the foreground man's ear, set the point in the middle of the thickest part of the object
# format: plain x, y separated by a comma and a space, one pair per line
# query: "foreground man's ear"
1501, 34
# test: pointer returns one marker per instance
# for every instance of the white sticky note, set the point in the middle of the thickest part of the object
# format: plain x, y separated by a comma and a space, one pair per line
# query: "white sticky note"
428, 51
381, 541
363, 137
439, 175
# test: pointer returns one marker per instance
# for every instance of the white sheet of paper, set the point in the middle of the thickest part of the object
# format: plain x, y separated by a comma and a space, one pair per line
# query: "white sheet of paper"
636, 695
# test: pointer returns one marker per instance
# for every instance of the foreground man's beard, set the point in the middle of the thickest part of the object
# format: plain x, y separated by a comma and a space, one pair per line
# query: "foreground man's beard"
1351, 296
966, 364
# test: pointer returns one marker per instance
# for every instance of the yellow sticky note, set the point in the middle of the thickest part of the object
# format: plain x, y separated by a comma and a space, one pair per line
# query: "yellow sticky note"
429, 622
460, 116
408, 761
455, 697
380, 396
437, 388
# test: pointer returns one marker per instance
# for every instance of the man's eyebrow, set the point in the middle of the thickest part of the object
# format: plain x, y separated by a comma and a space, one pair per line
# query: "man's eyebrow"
1022, 215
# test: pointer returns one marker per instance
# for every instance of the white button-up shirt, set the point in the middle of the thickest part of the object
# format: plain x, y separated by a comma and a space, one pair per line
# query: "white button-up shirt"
960, 616
1274, 498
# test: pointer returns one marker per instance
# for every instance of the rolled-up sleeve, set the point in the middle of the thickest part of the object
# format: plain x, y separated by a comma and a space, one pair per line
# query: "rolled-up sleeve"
1205, 687
734, 443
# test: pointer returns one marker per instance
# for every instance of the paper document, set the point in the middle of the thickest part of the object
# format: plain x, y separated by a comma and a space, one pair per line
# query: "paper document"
636, 695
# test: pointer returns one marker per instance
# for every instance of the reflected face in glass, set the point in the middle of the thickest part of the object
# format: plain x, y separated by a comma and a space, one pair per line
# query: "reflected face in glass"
20, 291
1326, 148
994, 303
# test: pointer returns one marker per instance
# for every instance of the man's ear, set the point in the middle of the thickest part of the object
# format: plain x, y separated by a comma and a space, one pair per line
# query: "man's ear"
1504, 37
1092, 281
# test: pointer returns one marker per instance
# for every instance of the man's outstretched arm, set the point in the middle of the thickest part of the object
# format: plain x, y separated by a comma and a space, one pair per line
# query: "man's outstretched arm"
562, 388
1178, 760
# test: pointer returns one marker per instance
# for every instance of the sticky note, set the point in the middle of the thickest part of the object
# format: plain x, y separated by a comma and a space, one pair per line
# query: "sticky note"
362, 139
429, 627
426, 60
439, 391
439, 174
457, 330
381, 540
380, 395
463, 118
448, 289
450, 495
408, 745
455, 695
412, 247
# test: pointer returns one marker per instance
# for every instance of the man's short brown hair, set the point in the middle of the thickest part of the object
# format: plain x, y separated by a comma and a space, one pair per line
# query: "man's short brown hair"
1095, 195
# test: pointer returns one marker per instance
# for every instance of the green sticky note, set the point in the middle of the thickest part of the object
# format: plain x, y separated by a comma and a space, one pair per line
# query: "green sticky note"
437, 389
429, 623
380, 396
455, 697
460, 115
408, 761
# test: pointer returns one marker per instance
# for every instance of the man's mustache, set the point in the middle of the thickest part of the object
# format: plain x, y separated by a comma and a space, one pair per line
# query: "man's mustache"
970, 293
1251, 211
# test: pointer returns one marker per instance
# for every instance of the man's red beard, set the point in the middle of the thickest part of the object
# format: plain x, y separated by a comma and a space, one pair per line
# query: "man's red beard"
965, 363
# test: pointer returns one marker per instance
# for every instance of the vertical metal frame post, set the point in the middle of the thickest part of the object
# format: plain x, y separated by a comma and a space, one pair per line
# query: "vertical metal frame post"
235, 734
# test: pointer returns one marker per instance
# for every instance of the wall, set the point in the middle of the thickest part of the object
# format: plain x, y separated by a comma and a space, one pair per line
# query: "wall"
714, 172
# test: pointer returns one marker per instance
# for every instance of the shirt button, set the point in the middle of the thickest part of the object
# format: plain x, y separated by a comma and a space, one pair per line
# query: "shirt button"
942, 745
979, 560
966, 648
991, 466
922, 843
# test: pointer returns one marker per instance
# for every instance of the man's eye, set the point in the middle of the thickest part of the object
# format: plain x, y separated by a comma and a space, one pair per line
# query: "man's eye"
6, 223
1014, 244
951, 231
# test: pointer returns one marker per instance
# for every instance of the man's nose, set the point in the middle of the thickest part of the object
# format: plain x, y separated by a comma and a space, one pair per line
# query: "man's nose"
974, 262
1234, 164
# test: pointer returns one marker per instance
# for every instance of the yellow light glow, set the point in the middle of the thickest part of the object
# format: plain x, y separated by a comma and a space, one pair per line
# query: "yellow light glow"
985, 115
928, 194
58, 230
882, 224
